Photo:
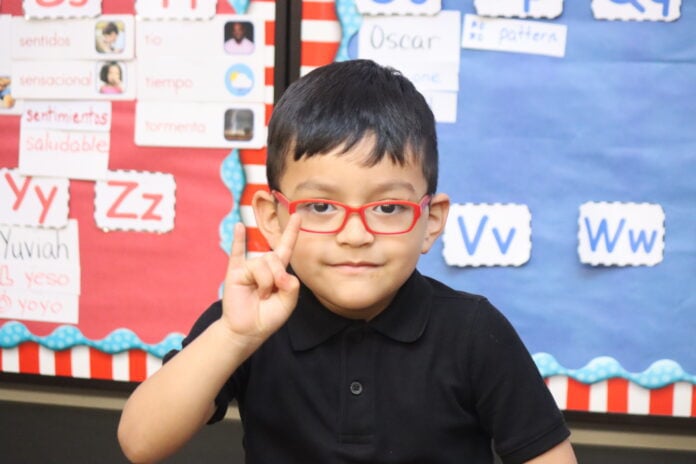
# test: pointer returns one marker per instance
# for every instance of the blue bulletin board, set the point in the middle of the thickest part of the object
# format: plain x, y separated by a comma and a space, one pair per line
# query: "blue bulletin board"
611, 122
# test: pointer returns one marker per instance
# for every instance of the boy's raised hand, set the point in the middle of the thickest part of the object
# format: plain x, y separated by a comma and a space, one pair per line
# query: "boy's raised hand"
259, 294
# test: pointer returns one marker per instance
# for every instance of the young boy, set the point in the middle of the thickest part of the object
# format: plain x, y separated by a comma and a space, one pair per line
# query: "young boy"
335, 348
105, 42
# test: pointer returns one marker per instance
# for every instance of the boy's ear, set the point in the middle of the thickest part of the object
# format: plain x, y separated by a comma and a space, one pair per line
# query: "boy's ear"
437, 218
266, 214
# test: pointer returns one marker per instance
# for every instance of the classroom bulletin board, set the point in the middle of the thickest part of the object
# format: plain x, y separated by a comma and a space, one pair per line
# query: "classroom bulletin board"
568, 147
118, 192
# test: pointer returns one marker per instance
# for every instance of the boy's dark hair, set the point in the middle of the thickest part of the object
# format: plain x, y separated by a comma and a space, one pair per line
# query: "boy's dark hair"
339, 104
110, 28
104, 72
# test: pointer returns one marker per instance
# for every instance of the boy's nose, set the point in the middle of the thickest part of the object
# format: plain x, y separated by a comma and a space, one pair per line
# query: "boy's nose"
354, 231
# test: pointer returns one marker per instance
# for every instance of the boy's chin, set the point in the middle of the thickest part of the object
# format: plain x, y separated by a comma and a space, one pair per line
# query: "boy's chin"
354, 305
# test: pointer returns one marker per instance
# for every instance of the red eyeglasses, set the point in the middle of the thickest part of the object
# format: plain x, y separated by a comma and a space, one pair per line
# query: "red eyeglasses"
389, 217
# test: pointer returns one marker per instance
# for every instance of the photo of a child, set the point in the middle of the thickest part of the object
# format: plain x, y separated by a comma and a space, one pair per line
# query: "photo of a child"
108, 36
111, 78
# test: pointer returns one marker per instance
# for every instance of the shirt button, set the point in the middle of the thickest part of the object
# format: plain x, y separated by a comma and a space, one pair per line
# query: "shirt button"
356, 388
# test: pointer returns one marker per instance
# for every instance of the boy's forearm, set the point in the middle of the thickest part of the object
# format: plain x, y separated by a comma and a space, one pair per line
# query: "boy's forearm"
560, 454
167, 409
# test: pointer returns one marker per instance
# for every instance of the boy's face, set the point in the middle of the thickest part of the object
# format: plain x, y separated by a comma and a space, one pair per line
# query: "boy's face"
353, 272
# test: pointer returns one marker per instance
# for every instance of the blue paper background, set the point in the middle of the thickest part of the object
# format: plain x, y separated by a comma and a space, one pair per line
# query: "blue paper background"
615, 120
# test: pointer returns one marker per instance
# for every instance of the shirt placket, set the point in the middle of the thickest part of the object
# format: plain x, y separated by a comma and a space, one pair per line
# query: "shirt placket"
357, 386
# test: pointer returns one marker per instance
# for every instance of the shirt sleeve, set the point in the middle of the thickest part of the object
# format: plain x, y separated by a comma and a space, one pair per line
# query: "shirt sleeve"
230, 390
514, 404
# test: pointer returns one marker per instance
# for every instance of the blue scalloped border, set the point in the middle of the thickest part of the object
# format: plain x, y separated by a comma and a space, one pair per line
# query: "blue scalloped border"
350, 20
64, 337
240, 6
659, 374
233, 177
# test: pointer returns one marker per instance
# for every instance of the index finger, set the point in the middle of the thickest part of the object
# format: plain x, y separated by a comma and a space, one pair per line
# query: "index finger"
238, 250
288, 239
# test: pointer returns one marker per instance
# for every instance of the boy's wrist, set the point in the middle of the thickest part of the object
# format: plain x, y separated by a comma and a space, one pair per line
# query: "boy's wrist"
244, 344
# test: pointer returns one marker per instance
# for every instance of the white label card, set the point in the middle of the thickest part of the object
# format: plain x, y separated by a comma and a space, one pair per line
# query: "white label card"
488, 235
139, 201
399, 7
404, 40
520, 8
105, 37
439, 76
424, 48
191, 124
40, 273
74, 80
72, 154
240, 36
510, 35
68, 115
621, 234
57, 9
200, 79
442, 104
639, 10
33, 201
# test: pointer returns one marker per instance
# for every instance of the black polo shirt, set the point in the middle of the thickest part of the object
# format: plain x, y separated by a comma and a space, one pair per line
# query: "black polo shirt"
432, 379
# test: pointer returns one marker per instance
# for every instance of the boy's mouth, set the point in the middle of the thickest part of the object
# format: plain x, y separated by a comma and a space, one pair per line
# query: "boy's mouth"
354, 266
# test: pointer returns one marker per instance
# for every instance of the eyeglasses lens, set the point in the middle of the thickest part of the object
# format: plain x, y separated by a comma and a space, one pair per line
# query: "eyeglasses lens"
382, 217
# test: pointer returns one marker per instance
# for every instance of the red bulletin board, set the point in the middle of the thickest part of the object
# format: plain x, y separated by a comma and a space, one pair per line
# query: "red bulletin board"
149, 284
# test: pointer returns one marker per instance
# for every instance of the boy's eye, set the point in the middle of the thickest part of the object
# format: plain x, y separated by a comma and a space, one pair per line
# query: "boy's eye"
389, 208
317, 207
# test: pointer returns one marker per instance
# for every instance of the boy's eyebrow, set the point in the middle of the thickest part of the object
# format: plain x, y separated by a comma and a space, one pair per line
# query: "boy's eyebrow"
382, 187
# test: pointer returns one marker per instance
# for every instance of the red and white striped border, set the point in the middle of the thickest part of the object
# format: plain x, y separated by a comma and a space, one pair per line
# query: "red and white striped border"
620, 396
254, 161
615, 395
80, 362
320, 34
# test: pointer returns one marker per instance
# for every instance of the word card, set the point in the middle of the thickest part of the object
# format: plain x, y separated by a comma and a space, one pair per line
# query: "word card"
200, 124
33, 201
40, 273
140, 201
101, 38
510, 35
621, 234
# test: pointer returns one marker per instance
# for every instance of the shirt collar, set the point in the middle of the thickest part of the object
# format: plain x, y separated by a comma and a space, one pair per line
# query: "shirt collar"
404, 320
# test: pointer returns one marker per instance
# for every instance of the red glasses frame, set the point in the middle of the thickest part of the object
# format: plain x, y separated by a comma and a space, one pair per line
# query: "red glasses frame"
360, 210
